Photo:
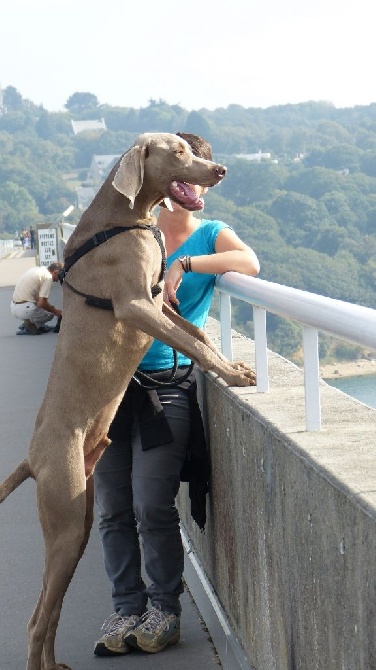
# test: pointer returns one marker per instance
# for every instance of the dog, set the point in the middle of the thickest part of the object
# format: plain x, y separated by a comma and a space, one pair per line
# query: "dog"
113, 308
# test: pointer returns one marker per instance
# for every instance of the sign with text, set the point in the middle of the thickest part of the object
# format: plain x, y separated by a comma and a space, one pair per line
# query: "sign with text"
46, 245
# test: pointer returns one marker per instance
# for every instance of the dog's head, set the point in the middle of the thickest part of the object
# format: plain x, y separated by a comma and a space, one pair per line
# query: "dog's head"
163, 165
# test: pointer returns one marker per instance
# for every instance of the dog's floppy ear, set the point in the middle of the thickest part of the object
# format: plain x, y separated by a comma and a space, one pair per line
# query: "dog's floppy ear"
130, 174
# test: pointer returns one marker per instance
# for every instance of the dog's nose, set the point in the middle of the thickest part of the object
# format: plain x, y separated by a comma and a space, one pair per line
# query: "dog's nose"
220, 171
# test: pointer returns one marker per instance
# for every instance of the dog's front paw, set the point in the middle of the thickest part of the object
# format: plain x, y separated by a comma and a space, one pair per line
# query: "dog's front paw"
247, 371
245, 376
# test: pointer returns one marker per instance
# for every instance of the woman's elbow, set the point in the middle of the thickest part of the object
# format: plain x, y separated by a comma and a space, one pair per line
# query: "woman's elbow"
253, 264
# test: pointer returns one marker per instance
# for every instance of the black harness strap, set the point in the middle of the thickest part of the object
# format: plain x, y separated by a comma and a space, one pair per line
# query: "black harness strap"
106, 303
95, 241
92, 300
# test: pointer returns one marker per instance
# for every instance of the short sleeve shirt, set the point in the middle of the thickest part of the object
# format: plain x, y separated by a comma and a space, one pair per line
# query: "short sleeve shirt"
33, 284
195, 293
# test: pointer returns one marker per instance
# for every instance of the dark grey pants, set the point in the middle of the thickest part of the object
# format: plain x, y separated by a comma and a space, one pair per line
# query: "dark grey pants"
135, 493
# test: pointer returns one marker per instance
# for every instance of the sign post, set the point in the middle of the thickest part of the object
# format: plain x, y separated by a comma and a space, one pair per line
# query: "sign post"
46, 245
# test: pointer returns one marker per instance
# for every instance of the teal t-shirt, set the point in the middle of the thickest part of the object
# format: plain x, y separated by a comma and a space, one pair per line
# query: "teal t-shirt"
194, 294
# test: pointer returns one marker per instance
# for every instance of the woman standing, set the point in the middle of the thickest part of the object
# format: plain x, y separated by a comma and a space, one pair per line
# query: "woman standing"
138, 477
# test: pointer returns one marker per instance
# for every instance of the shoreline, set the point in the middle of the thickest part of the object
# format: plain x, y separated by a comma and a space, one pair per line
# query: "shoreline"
361, 366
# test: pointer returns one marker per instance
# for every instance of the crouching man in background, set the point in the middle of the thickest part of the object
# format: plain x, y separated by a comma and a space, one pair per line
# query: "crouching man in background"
30, 299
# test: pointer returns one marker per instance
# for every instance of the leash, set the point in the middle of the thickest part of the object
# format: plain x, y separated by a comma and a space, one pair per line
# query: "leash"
150, 383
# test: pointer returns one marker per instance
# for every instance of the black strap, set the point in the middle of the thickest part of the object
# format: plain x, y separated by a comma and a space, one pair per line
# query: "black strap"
152, 384
95, 241
106, 303
92, 300
158, 237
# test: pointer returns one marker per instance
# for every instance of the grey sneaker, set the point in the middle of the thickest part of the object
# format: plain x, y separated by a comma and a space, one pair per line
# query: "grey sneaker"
30, 327
155, 631
115, 629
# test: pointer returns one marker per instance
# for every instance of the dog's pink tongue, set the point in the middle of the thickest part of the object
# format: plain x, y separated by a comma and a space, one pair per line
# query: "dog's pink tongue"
184, 195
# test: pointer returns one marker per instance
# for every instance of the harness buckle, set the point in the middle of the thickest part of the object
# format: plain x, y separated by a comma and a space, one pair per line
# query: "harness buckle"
99, 238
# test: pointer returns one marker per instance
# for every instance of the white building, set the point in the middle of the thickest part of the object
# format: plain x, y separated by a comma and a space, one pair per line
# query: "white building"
260, 156
88, 124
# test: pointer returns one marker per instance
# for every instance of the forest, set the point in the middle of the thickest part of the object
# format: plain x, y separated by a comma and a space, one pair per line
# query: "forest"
300, 187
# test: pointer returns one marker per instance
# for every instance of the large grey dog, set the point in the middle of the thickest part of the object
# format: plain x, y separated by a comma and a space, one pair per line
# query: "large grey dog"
113, 308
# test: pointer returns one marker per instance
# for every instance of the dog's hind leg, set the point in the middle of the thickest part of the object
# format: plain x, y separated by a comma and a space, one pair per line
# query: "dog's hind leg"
48, 659
63, 521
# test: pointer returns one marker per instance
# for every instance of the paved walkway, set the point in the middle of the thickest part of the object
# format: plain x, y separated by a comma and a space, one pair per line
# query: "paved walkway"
24, 369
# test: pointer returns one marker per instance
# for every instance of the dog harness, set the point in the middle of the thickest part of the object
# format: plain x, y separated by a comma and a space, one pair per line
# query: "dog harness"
95, 241
142, 379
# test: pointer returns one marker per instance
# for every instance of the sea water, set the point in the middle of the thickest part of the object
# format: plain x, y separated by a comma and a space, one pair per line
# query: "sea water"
361, 387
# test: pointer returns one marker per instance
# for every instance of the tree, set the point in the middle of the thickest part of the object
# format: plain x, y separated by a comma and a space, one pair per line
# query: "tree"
314, 182
301, 219
284, 336
12, 99
197, 123
80, 102
342, 157
338, 207
248, 182
368, 163
334, 131
20, 207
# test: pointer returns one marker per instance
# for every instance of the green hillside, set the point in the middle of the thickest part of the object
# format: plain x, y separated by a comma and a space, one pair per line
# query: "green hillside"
300, 189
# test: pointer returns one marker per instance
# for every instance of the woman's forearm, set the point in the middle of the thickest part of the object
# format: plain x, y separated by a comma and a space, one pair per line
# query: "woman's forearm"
244, 261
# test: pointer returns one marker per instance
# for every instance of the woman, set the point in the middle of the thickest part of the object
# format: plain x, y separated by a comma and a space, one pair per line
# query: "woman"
138, 477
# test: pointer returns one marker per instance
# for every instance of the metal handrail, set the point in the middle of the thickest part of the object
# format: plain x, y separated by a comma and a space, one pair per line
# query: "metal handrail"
316, 313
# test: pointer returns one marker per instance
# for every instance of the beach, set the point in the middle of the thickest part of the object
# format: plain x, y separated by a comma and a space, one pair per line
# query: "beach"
361, 366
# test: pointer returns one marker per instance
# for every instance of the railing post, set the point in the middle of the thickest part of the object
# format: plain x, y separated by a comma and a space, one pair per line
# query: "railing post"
225, 316
261, 354
311, 378
352, 323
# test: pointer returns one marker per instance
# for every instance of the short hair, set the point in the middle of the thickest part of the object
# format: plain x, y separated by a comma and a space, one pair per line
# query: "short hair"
200, 147
55, 266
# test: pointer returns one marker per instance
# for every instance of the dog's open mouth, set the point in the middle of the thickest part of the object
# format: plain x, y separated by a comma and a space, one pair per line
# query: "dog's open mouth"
182, 193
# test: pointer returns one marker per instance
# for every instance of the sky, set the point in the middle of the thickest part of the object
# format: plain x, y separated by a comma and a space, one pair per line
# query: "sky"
200, 54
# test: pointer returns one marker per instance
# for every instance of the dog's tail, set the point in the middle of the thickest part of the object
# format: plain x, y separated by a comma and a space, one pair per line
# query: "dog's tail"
18, 476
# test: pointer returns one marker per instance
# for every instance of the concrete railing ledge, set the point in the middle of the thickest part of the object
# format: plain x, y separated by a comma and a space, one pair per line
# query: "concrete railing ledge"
289, 545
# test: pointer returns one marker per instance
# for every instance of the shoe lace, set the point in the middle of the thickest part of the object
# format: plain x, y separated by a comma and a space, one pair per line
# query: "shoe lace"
116, 622
153, 620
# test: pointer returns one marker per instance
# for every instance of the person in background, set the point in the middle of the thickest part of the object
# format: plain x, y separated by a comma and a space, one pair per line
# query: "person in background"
154, 431
26, 239
30, 299
33, 239
22, 237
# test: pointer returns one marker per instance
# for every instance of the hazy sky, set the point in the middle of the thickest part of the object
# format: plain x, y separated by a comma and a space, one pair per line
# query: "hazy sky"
254, 53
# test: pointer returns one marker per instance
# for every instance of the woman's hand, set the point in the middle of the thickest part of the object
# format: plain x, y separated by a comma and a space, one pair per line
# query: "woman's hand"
173, 279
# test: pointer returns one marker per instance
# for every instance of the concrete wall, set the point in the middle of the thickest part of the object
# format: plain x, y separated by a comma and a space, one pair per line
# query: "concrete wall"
290, 542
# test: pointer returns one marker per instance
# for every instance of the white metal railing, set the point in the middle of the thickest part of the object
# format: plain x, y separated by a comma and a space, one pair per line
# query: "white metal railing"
5, 247
316, 313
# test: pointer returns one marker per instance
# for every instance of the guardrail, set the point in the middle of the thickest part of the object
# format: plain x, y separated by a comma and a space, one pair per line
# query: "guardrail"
343, 320
5, 247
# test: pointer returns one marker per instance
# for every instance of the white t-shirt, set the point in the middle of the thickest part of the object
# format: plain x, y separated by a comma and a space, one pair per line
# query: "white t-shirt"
33, 284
